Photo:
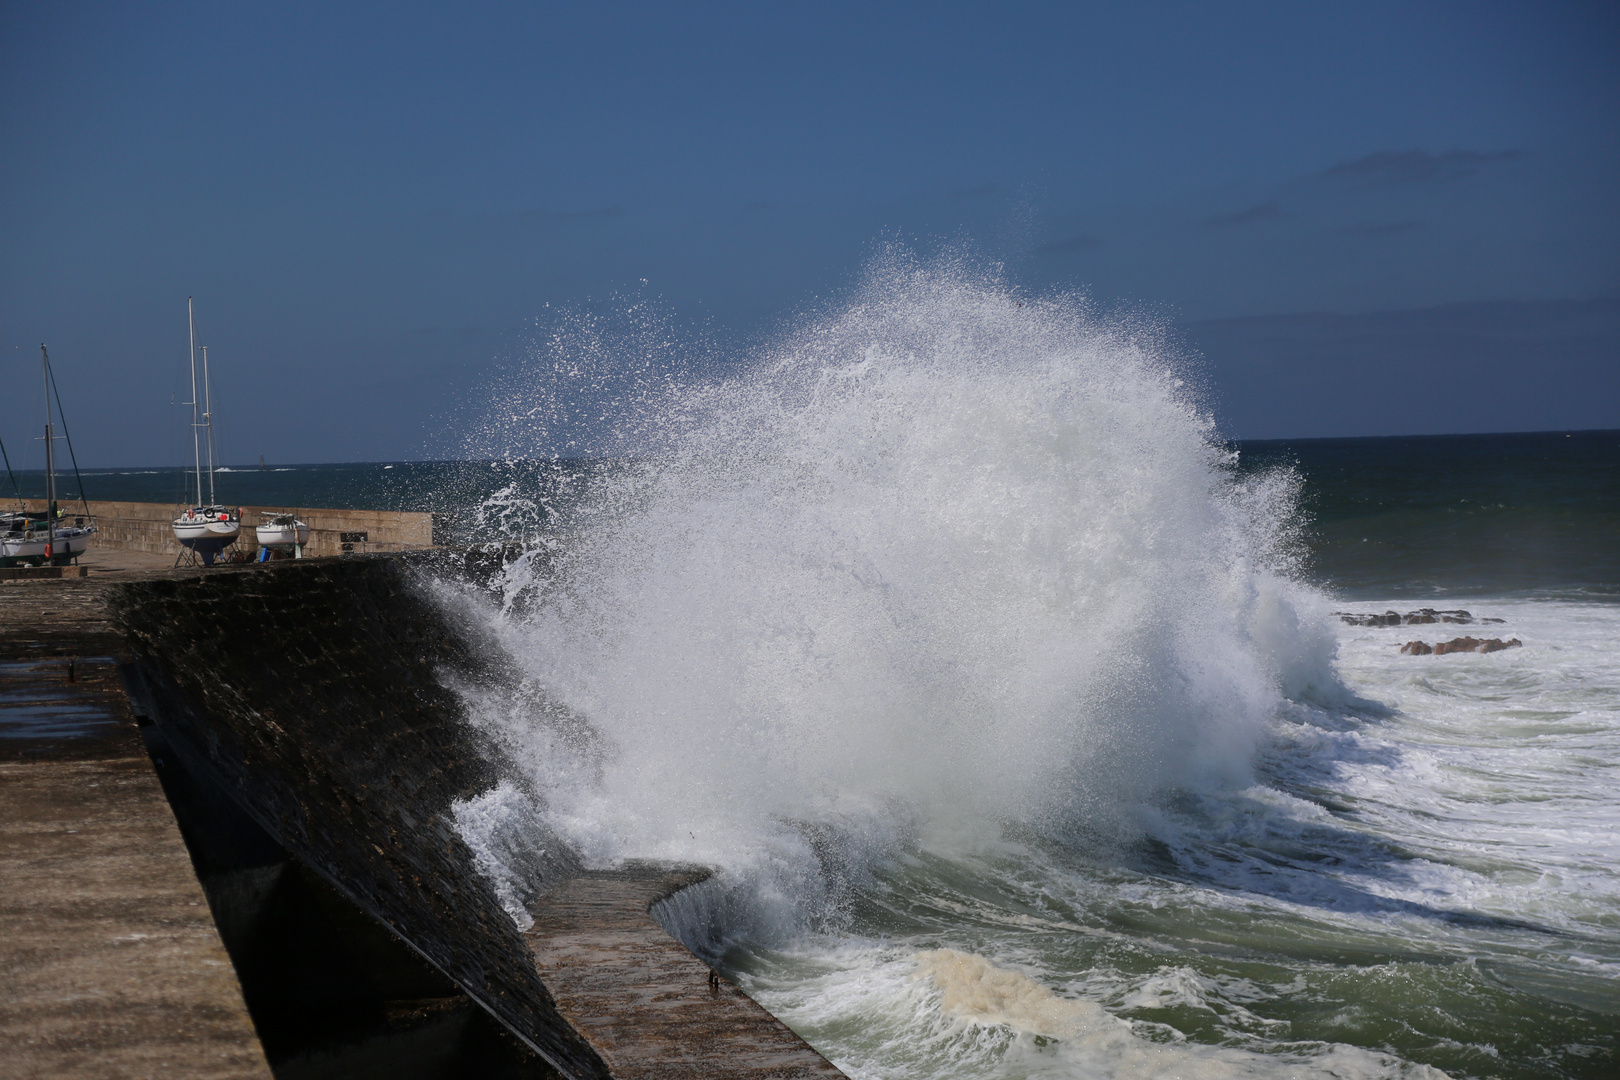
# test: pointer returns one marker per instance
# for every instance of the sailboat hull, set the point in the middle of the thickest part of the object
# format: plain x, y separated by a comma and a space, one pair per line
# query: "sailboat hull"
71, 542
207, 531
282, 534
207, 546
34, 546
15, 550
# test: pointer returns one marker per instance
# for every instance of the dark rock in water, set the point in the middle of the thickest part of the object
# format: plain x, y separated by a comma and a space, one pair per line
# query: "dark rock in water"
1430, 615
1462, 644
1388, 618
1472, 644
1420, 617
1493, 620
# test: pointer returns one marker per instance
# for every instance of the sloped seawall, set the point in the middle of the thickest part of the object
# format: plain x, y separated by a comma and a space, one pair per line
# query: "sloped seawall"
309, 697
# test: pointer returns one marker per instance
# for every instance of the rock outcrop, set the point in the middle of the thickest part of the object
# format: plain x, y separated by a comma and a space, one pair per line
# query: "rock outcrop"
1462, 644
1420, 617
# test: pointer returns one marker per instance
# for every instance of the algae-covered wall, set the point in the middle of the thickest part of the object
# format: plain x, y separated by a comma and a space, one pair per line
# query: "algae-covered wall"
312, 693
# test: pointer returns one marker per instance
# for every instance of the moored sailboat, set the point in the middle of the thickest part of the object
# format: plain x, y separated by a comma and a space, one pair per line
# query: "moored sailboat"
204, 529
20, 545
17, 544
35, 538
282, 530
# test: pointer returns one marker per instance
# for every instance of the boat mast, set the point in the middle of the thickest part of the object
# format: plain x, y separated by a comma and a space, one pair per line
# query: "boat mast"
16, 487
196, 445
50, 457
208, 422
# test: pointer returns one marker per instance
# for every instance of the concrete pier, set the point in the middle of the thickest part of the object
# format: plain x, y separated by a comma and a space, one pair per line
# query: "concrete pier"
110, 964
227, 850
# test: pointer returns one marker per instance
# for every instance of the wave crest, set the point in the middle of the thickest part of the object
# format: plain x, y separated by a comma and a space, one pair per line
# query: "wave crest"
943, 557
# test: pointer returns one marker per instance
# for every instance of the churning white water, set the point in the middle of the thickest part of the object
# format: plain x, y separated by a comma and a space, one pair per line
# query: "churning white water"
948, 633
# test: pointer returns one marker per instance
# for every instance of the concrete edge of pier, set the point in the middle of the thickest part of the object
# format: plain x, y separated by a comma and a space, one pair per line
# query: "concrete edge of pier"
110, 962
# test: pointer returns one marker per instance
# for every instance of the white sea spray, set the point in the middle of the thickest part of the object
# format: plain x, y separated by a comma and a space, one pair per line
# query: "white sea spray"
946, 563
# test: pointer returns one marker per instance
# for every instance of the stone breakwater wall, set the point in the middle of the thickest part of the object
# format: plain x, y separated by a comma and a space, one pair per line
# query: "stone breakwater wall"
134, 526
312, 694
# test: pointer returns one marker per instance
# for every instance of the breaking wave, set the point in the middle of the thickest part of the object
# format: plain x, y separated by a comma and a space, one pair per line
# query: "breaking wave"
942, 558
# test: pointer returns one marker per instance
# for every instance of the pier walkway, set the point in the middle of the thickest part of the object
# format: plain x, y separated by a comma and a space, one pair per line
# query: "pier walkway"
110, 964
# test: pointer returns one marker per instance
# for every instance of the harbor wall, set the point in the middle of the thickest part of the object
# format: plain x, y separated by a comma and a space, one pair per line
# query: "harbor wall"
346, 750
137, 526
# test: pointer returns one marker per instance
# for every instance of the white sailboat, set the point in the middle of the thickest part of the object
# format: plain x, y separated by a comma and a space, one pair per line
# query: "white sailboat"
20, 544
208, 528
38, 538
16, 530
282, 530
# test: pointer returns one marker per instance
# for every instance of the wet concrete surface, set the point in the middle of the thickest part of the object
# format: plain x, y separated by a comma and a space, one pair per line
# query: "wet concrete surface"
647, 1005
56, 704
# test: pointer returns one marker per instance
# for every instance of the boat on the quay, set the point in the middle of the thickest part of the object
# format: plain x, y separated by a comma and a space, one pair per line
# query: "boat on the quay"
282, 531
19, 545
206, 528
34, 538
29, 539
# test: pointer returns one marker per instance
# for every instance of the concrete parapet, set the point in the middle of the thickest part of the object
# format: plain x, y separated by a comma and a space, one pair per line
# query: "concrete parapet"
135, 526
34, 573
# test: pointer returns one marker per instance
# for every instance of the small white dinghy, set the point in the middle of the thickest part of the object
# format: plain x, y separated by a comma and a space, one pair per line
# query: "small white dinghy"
282, 530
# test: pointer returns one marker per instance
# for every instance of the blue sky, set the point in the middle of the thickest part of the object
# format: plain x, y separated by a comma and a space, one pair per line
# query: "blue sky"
371, 202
